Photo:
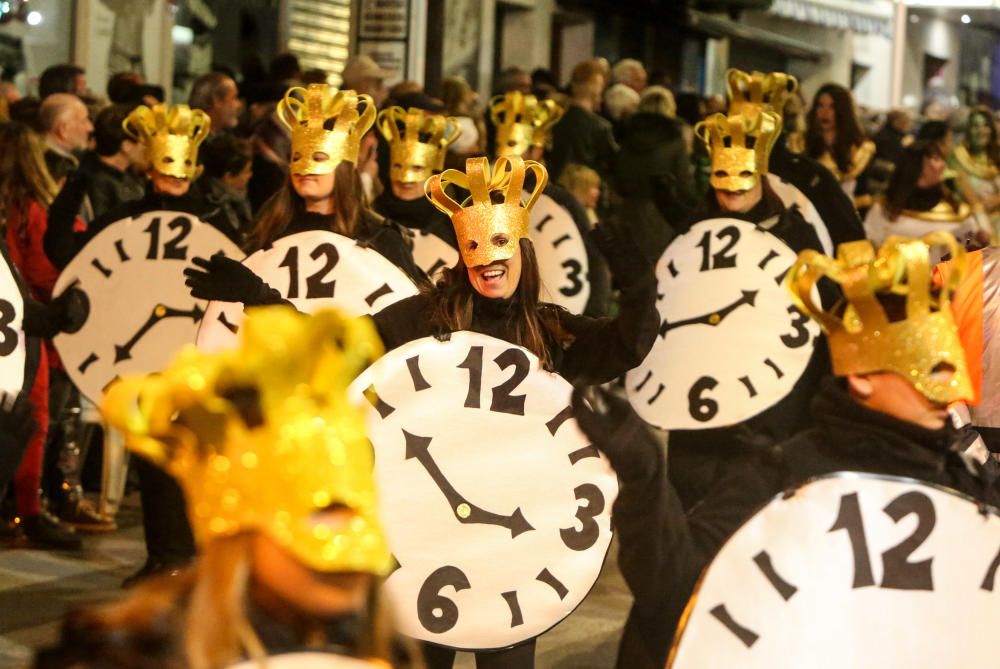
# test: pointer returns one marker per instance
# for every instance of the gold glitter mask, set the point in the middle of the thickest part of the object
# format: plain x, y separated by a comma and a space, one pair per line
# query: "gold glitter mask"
171, 137
263, 437
522, 121
488, 232
739, 147
863, 340
756, 90
418, 142
327, 126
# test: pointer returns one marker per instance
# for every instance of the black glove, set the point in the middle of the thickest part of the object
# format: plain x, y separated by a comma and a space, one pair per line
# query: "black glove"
613, 426
628, 265
16, 422
69, 311
227, 280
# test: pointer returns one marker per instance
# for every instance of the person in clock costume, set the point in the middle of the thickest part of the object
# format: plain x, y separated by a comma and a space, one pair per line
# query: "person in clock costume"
740, 190
884, 411
291, 548
977, 159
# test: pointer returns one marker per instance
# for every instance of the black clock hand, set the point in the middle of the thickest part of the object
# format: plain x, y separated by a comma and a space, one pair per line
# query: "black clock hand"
160, 312
714, 318
419, 448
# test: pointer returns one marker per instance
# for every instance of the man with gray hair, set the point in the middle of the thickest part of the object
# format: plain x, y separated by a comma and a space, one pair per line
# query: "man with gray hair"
66, 127
217, 95
630, 72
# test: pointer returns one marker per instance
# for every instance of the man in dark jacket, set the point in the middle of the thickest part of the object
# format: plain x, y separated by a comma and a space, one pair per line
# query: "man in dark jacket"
886, 414
109, 169
582, 135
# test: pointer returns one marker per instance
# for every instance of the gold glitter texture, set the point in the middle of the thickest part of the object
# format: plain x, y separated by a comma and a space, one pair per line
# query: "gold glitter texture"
756, 91
863, 340
263, 437
522, 121
488, 232
171, 136
739, 147
418, 142
327, 126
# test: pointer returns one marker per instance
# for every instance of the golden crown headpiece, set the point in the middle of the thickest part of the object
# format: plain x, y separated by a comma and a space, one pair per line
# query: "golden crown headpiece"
522, 121
739, 147
171, 136
264, 438
863, 339
756, 90
327, 126
418, 141
486, 231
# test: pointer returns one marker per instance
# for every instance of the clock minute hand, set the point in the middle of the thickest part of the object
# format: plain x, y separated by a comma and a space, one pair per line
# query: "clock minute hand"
419, 448
160, 312
712, 319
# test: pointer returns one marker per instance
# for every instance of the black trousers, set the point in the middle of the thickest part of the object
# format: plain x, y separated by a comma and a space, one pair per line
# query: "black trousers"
164, 516
521, 656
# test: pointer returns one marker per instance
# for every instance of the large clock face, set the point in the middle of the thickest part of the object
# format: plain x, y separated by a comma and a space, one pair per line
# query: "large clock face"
141, 313
851, 571
562, 256
731, 343
313, 270
12, 342
309, 661
432, 254
498, 509
790, 195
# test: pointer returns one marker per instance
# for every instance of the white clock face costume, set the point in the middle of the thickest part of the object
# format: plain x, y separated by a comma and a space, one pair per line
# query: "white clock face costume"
141, 313
313, 270
562, 256
731, 343
497, 508
13, 348
852, 570
433, 254
790, 195
309, 661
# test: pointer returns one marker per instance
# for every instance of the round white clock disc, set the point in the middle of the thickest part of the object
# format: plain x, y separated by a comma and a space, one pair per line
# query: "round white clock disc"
562, 256
731, 343
141, 313
498, 509
13, 349
432, 254
309, 661
313, 270
853, 570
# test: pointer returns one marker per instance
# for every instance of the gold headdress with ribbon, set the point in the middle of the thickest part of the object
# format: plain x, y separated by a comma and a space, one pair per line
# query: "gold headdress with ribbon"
264, 438
522, 121
863, 339
488, 232
418, 142
327, 126
739, 147
756, 90
171, 136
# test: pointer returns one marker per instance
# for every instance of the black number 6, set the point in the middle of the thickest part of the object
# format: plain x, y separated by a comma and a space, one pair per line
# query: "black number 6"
585, 537
437, 613
701, 408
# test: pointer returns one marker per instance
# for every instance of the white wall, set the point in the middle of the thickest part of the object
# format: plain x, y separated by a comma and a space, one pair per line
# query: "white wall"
936, 37
577, 46
527, 35
45, 44
875, 89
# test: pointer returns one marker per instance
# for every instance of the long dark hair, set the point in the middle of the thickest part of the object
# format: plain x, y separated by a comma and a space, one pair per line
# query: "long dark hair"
992, 145
536, 325
279, 210
849, 132
904, 178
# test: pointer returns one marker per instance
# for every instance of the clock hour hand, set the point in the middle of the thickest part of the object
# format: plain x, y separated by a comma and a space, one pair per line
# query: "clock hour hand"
714, 318
160, 312
419, 448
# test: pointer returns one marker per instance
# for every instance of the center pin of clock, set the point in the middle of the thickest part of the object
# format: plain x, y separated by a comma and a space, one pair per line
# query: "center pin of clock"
714, 319
463, 510
160, 310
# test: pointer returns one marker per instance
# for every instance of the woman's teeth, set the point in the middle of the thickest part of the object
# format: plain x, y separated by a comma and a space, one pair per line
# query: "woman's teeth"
492, 274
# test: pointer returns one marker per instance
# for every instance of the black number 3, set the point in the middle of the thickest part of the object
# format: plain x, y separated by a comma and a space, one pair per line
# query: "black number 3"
585, 537
8, 337
576, 285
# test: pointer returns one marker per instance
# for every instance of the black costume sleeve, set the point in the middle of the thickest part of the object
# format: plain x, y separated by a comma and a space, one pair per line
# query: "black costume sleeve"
387, 238
61, 242
403, 321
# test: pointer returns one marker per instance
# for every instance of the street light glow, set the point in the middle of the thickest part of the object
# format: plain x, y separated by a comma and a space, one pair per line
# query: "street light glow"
966, 18
34, 18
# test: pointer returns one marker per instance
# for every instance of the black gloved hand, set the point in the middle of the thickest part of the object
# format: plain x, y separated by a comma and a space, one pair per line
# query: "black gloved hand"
227, 280
69, 311
627, 263
16, 422
613, 426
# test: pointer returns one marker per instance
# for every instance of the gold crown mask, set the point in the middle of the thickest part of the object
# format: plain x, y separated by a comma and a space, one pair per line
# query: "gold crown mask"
522, 121
263, 437
863, 340
488, 232
739, 146
756, 90
327, 126
171, 137
418, 142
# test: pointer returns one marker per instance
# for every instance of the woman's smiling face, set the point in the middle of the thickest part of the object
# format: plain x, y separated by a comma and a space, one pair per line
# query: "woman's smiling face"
499, 279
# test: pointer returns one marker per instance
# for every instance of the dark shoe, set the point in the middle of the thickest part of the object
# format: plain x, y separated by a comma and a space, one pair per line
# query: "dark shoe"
153, 568
45, 531
81, 515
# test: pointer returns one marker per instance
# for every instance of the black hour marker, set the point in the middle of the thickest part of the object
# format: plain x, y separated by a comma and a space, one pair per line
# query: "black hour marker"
515, 609
672, 269
644, 381
784, 588
380, 292
748, 637
438, 264
541, 223
546, 577
777, 370
771, 255
225, 321
100, 268
394, 567
989, 581
91, 359
745, 380
656, 395
780, 279
559, 241
377, 402
583, 453
556, 421
419, 382
119, 246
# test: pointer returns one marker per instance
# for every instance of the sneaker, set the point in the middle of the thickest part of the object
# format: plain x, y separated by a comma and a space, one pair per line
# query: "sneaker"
81, 515
45, 531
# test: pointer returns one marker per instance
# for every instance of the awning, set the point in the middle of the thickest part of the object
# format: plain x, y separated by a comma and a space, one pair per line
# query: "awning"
717, 26
854, 15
